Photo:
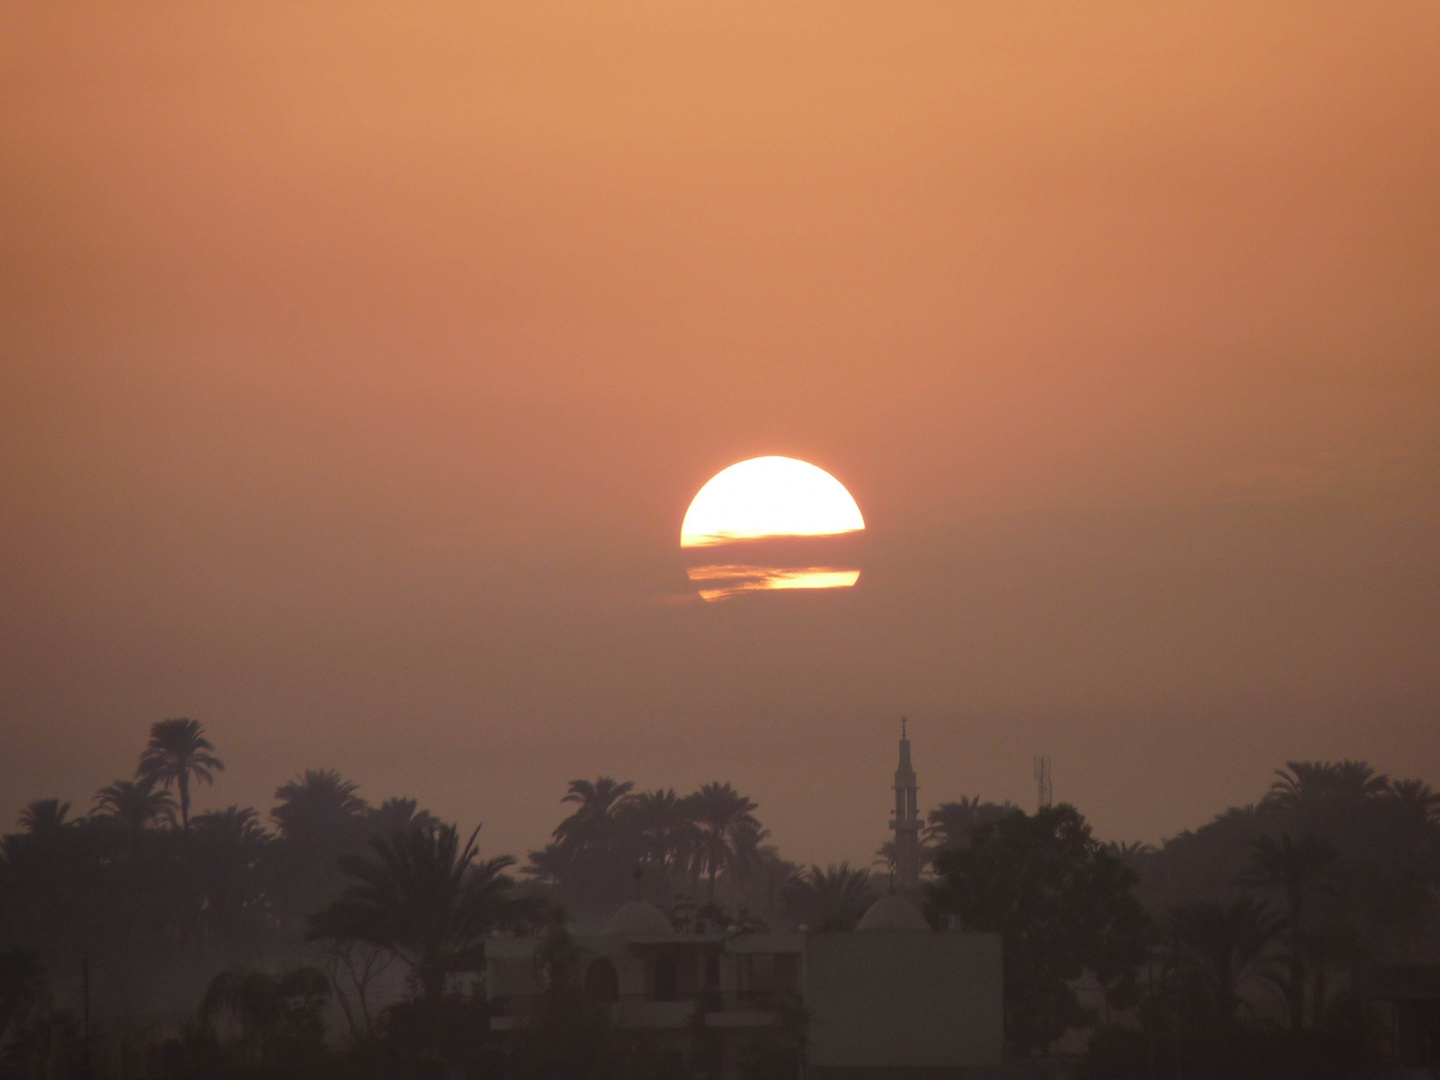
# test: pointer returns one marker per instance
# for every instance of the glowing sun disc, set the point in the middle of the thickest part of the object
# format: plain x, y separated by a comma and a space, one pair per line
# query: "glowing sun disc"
769, 496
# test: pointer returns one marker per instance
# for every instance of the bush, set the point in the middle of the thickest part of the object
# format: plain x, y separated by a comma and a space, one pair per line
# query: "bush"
1213, 1053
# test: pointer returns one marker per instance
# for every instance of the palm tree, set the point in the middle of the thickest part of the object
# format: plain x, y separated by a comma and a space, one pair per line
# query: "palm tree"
592, 824
551, 865
230, 885
399, 815
951, 824
1293, 869
1416, 799
269, 1008
235, 826
729, 833
662, 829
1303, 785
832, 898
135, 804
426, 899
317, 802
1129, 853
1330, 945
178, 751
779, 875
886, 856
1230, 944
43, 817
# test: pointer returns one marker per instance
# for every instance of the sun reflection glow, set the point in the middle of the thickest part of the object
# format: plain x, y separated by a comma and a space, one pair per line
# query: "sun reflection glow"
732, 580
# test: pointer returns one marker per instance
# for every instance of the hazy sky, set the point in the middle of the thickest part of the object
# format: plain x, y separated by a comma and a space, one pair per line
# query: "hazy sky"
360, 361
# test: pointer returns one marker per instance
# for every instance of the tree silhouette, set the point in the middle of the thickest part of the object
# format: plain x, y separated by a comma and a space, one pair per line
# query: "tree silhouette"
1128, 852
275, 1013
427, 899
1294, 869
833, 897
600, 803
178, 751
235, 826
729, 833
316, 802
44, 817
1306, 785
552, 864
1063, 906
1230, 946
22, 987
661, 826
135, 804
399, 815
950, 825
1416, 800
1327, 946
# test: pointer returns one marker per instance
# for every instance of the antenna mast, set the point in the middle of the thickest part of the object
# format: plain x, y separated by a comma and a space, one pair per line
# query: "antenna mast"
1044, 782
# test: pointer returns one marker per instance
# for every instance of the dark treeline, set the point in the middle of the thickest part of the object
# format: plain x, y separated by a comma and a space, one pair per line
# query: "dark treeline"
333, 936
699, 856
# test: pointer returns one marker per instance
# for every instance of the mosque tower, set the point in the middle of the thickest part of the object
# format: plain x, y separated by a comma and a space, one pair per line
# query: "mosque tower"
906, 822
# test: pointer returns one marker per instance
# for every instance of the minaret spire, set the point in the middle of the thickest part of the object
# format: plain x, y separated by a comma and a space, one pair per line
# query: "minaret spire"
906, 822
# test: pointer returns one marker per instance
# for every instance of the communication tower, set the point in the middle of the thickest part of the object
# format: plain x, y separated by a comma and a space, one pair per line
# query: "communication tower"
1043, 780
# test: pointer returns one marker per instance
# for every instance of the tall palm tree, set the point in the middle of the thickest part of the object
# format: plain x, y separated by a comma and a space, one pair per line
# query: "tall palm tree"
1416, 799
1230, 945
1304, 785
662, 829
317, 802
950, 825
427, 899
779, 875
1129, 852
44, 817
399, 815
832, 898
1328, 946
178, 751
229, 884
729, 833
1294, 869
235, 826
592, 823
135, 804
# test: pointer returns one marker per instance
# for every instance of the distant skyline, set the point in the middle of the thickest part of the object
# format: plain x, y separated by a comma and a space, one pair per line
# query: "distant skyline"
361, 363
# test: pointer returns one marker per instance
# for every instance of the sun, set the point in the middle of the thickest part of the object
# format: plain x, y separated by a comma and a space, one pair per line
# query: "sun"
769, 496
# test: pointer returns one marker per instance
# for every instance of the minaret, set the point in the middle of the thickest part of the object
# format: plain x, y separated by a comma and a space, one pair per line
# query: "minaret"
907, 821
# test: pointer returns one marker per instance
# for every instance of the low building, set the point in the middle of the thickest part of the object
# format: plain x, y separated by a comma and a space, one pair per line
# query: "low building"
1403, 1003
891, 999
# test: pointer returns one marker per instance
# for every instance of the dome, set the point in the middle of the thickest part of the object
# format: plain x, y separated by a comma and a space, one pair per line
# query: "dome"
892, 913
639, 918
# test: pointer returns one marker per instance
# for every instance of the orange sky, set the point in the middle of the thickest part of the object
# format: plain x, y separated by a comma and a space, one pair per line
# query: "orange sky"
360, 362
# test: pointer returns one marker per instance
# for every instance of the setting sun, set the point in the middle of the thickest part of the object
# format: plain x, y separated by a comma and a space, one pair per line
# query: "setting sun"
769, 496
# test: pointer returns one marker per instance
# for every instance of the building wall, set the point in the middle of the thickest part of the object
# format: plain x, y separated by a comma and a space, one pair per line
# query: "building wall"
904, 999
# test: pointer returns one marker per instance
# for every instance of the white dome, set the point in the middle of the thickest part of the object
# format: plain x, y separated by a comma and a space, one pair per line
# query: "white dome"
639, 918
892, 913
